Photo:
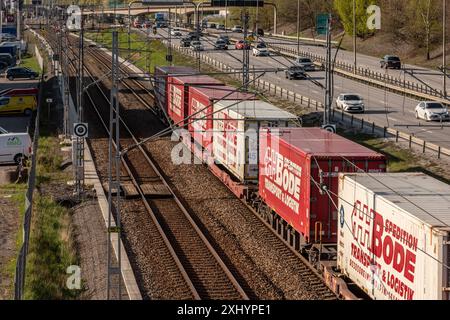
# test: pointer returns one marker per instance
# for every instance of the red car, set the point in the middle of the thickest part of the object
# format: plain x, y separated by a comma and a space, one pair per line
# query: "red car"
241, 44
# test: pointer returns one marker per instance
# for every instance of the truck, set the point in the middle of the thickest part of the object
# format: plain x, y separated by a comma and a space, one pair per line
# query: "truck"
14, 146
161, 20
394, 235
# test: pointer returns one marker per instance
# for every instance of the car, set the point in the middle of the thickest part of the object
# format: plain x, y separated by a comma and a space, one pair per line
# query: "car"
432, 111
305, 63
260, 50
137, 24
391, 62
242, 44
295, 72
21, 73
186, 42
147, 24
220, 27
212, 25
176, 33
350, 102
224, 38
237, 29
14, 147
24, 104
197, 46
220, 45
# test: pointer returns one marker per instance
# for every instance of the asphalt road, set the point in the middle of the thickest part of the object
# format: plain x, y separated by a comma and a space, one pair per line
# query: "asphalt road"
433, 78
382, 107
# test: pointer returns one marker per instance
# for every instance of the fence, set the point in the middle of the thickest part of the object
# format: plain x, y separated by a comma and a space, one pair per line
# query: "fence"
344, 118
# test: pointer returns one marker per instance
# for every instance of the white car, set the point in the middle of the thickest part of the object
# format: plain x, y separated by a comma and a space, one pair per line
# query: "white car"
260, 50
176, 33
197, 46
14, 146
432, 111
350, 102
237, 29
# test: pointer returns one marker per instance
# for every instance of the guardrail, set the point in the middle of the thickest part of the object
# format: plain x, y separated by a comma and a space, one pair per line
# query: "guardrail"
341, 117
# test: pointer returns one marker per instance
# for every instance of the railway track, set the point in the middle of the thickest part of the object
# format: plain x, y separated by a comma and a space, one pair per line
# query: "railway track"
194, 256
204, 272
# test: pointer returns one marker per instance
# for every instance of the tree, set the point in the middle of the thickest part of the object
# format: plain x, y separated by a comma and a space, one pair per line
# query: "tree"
345, 10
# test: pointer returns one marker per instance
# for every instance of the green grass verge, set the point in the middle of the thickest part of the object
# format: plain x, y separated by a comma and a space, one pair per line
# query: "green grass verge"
17, 192
51, 248
30, 61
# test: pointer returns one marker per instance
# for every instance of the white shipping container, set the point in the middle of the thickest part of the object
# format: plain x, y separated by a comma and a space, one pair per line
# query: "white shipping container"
236, 133
394, 234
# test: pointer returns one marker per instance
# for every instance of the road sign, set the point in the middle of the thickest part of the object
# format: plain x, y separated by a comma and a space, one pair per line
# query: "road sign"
330, 128
80, 130
49, 100
322, 23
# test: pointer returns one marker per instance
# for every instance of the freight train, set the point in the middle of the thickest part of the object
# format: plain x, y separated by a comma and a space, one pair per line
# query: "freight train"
328, 197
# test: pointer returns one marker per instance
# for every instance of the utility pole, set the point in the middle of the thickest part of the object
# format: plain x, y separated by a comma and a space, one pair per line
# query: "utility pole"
79, 185
444, 45
114, 125
328, 78
246, 53
298, 28
354, 36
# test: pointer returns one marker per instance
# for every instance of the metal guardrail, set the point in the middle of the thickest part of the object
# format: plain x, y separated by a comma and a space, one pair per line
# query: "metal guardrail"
344, 118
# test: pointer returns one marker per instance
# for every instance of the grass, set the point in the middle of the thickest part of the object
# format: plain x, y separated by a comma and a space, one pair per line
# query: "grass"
30, 61
50, 252
17, 192
51, 248
399, 159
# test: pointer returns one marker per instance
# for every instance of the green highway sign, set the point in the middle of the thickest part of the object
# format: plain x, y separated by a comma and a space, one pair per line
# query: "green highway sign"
322, 23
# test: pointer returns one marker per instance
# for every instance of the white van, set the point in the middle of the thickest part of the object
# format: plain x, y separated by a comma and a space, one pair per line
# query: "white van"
14, 146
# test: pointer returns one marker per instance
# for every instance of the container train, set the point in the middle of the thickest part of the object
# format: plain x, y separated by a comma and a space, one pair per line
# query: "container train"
312, 186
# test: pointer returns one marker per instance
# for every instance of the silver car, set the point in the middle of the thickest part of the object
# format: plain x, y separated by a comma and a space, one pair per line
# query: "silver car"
432, 111
197, 46
305, 63
350, 102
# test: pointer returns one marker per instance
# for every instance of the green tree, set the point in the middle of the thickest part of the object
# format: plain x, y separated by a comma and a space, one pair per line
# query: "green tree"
345, 10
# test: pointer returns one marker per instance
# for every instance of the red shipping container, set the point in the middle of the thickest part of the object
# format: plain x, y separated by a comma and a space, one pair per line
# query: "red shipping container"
201, 105
178, 98
295, 163
161, 83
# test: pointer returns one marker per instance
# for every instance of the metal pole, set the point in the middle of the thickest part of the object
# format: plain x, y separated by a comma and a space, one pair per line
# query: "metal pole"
18, 21
257, 19
298, 28
444, 49
354, 36
246, 53
328, 77
1, 19
226, 15
114, 123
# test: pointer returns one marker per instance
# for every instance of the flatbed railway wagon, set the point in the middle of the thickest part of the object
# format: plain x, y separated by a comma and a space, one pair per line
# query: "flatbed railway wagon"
298, 183
394, 235
236, 140
201, 109
178, 95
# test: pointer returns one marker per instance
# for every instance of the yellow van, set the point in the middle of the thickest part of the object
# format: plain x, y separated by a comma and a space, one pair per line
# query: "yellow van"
18, 104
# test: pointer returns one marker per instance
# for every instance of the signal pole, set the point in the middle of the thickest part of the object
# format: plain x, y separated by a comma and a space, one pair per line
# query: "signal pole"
444, 49
328, 78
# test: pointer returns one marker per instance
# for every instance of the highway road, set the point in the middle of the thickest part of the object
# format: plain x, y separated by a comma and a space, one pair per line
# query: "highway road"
433, 78
382, 107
